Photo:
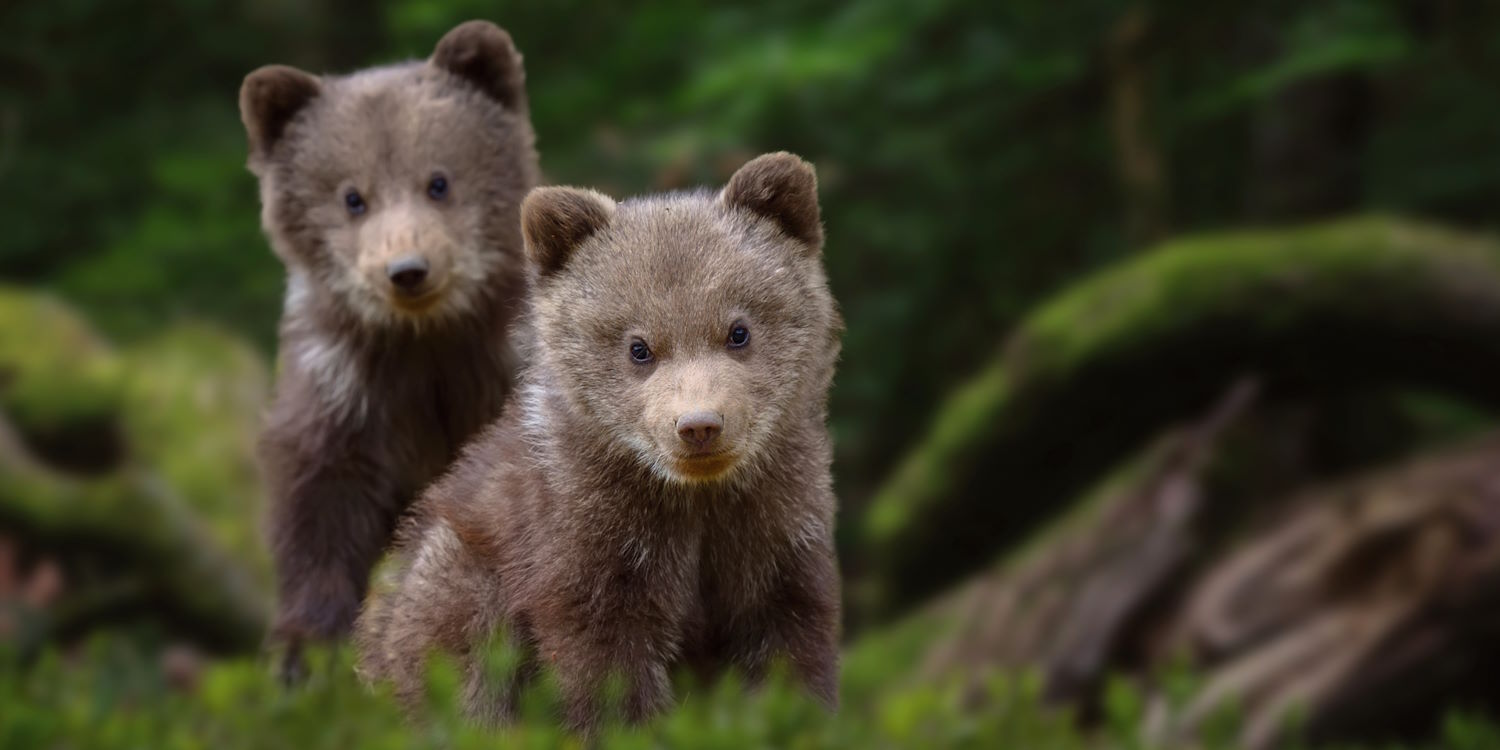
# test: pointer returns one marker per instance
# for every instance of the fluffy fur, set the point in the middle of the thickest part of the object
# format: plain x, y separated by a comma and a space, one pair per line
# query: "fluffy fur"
379, 382
603, 537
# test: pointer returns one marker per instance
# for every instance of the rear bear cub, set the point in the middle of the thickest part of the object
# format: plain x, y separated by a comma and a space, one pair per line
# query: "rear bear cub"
657, 493
392, 196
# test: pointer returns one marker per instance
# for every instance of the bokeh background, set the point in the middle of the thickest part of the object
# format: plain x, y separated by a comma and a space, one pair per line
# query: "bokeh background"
1167, 412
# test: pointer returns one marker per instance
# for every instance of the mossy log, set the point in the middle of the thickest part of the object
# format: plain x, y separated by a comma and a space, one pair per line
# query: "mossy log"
102, 453
1361, 608
190, 410
59, 383
1108, 363
1068, 605
1368, 610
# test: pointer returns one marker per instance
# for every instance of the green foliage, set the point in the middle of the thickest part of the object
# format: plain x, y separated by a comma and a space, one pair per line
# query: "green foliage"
57, 378
237, 705
191, 412
106, 697
195, 250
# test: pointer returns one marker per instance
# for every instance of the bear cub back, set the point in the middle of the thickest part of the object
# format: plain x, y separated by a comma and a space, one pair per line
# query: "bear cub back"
657, 494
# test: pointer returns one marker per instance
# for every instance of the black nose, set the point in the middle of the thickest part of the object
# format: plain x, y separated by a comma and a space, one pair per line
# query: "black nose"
407, 273
700, 429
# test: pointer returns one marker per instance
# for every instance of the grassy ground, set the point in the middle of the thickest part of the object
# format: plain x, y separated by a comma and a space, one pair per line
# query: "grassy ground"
103, 696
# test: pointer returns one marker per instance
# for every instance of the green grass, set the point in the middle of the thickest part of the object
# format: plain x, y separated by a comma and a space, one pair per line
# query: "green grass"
106, 696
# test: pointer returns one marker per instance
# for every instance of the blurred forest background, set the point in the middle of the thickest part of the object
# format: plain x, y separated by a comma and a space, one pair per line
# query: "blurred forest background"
1168, 399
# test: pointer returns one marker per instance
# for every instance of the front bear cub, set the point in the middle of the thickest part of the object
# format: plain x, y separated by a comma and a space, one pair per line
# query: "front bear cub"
658, 491
392, 196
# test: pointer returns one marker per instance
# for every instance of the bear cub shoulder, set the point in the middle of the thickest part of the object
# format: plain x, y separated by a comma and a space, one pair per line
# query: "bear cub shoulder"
658, 493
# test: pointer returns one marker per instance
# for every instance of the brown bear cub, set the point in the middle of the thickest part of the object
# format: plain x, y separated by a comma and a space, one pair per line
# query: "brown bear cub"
393, 197
657, 493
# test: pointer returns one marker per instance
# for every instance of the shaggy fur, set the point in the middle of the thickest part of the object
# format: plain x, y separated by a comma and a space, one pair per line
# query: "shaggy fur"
597, 524
380, 383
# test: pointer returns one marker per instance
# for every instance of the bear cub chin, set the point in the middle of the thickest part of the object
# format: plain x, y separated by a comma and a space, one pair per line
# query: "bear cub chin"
392, 195
657, 494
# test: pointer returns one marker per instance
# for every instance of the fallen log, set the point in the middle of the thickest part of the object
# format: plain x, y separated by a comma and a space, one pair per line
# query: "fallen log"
1111, 362
1363, 608
149, 515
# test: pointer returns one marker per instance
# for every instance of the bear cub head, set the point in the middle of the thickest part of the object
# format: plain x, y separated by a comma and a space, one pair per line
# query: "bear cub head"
690, 329
395, 191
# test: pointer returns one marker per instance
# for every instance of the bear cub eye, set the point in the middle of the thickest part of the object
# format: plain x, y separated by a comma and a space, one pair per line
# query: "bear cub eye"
354, 202
437, 189
639, 352
739, 335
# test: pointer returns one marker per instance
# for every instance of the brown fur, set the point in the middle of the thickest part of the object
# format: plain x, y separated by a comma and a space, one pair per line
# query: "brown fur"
379, 385
581, 524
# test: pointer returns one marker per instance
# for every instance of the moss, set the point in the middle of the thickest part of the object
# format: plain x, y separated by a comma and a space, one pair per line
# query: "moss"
1197, 278
133, 518
191, 407
1112, 360
142, 458
966, 412
58, 381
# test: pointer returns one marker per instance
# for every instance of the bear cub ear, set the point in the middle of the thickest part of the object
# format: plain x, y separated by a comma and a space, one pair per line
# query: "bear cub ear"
269, 98
783, 188
484, 55
555, 220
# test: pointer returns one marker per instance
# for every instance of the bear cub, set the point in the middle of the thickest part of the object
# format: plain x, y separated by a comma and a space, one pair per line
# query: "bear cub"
657, 493
392, 196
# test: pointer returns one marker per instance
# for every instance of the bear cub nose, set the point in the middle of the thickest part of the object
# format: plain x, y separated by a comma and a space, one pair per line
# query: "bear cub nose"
407, 273
699, 429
